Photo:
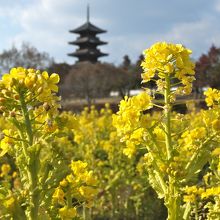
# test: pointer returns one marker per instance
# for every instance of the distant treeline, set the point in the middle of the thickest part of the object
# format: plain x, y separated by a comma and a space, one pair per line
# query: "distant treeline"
89, 81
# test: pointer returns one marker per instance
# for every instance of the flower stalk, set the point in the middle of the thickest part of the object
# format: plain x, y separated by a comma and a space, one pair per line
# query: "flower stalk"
27, 120
32, 166
171, 197
167, 111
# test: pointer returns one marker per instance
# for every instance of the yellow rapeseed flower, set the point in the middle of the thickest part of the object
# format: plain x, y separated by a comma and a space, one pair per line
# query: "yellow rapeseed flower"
212, 97
67, 213
5, 169
34, 82
166, 59
78, 167
88, 192
9, 203
58, 196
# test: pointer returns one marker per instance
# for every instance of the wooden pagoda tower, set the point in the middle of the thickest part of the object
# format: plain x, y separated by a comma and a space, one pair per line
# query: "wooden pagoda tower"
87, 42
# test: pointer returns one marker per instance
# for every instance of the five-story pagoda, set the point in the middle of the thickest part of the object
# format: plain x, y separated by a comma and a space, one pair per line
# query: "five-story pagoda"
88, 42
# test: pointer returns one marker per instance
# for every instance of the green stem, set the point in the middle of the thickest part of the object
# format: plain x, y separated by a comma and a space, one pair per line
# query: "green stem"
35, 200
172, 198
84, 212
69, 200
27, 118
113, 203
32, 159
196, 211
173, 202
167, 111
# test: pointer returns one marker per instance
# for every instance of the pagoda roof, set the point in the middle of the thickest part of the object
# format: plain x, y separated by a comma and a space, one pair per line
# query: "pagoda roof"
88, 39
88, 27
88, 52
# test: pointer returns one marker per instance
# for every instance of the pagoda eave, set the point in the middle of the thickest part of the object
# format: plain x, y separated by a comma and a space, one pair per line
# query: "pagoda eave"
78, 54
88, 27
87, 42
87, 31
72, 55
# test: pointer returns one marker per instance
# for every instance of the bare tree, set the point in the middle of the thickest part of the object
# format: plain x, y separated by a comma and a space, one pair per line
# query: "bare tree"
89, 81
27, 56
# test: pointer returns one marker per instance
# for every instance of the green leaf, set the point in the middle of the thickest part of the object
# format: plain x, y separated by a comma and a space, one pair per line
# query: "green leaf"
156, 184
187, 211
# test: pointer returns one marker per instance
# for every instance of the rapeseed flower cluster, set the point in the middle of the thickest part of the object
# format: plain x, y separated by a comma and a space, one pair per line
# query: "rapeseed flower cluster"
164, 60
67, 213
34, 86
130, 118
80, 185
36, 82
195, 194
28, 96
176, 146
192, 193
212, 97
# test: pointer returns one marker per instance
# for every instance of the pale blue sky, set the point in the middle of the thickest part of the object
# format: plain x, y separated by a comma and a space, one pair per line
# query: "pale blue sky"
132, 25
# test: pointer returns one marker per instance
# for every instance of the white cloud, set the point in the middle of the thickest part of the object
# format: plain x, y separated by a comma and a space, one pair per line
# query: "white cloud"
217, 5
198, 36
45, 24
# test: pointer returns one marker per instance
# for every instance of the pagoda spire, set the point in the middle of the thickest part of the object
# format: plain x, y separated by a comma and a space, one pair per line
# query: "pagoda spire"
88, 13
87, 41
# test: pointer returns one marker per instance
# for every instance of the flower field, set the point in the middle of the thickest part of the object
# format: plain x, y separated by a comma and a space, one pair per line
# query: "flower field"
144, 162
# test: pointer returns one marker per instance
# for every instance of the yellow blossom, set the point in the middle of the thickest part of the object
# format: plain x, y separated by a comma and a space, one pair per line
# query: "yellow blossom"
166, 59
189, 198
64, 183
67, 213
33, 83
89, 178
87, 192
130, 149
212, 97
5, 169
9, 203
211, 192
78, 167
58, 195
216, 151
